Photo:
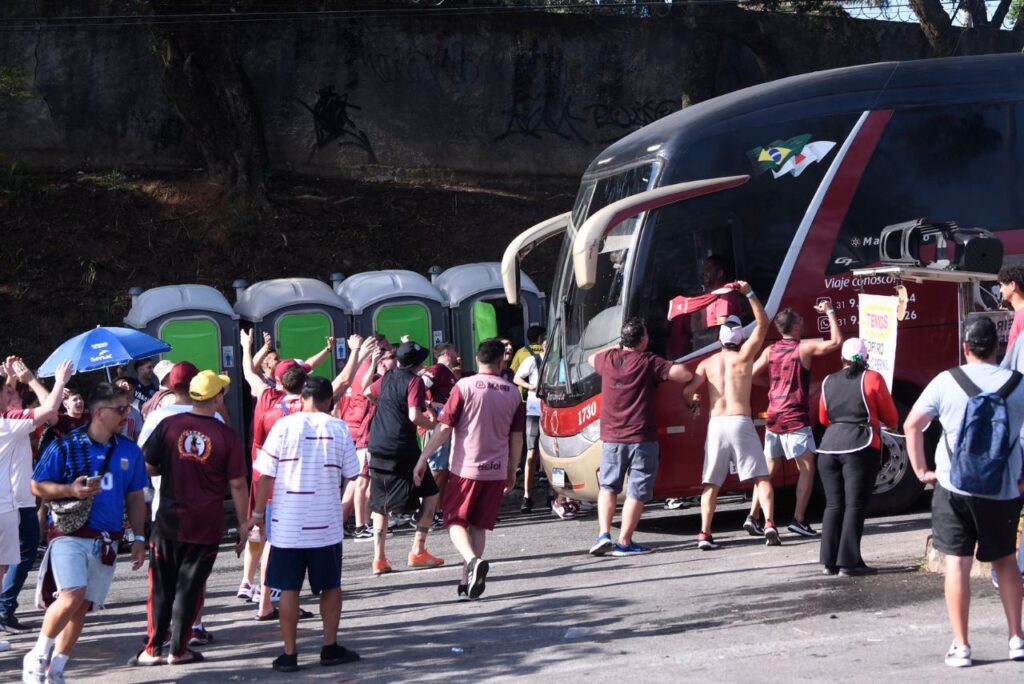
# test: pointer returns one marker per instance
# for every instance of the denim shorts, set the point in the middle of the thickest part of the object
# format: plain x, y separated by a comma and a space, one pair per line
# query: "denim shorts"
637, 461
439, 459
75, 562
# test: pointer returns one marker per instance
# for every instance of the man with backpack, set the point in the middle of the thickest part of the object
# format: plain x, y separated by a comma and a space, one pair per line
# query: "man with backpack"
978, 479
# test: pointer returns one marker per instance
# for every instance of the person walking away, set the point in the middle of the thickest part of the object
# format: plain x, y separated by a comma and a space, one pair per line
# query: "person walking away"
440, 380
854, 403
731, 434
197, 458
485, 414
978, 479
19, 528
787, 433
536, 335
630, 376
306, 459
90, 463
528, 377
401, 401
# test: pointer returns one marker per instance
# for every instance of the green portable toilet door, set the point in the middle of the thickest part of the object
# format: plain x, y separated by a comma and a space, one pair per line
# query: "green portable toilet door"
196, 340
304, 334
485, 322
395, 320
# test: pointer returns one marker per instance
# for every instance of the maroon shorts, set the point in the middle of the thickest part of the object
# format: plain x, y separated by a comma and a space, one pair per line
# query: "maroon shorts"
472, 503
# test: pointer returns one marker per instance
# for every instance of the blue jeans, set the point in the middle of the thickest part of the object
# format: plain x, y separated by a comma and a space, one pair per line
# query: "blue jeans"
14, 580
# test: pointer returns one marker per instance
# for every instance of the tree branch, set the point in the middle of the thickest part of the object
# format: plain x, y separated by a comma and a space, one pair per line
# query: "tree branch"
936, 25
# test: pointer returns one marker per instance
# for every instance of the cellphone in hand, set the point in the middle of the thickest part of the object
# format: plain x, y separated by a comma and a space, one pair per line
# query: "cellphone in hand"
93, 481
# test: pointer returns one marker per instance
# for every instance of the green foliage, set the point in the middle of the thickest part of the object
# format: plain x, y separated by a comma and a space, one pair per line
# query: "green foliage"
14, 84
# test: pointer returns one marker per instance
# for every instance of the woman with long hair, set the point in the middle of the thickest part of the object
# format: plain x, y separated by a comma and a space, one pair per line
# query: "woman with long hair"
854, 401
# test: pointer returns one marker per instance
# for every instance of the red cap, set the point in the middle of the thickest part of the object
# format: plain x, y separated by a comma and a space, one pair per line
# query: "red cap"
283, 367
181, 375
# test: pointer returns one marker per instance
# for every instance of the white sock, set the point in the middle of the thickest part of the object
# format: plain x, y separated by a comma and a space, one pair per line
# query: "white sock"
44, 646
198, 625
58, 662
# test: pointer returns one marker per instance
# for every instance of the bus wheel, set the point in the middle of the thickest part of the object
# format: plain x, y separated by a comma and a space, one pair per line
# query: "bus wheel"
896, 487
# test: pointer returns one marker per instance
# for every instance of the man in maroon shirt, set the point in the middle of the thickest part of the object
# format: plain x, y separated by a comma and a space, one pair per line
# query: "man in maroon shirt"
198, 458
630, 376
787, 432
440, 381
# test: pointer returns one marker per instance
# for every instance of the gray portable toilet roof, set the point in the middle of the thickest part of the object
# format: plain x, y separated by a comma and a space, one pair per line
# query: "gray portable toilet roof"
366, 289
459, 283
160, 301
263, 298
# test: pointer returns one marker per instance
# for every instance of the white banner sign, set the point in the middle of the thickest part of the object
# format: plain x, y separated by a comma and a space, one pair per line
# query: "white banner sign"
878, 319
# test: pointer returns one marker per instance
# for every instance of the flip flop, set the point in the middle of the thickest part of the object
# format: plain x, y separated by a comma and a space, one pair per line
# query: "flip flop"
135, 661
188, 657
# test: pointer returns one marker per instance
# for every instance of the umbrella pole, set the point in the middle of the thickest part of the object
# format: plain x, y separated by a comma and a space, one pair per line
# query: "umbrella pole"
107, 371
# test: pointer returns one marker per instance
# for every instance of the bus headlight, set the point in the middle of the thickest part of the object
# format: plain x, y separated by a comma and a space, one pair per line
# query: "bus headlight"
592, 432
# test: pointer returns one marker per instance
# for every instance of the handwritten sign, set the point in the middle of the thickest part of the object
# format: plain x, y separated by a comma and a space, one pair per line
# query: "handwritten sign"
878, 322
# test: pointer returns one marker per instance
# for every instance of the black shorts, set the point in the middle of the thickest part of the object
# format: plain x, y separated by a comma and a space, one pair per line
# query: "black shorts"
961, 523
532, 431
394, 492
287, 568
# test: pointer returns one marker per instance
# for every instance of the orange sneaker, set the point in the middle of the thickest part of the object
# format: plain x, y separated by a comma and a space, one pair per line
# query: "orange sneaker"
381, 567
424, 560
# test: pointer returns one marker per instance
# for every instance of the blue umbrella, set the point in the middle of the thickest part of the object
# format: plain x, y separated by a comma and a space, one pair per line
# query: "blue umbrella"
102, 348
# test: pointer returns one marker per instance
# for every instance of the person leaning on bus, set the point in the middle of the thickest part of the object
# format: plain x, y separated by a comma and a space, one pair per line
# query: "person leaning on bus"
852, 403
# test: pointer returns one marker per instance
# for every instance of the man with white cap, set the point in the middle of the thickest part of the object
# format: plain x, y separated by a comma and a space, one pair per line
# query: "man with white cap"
164, 395
731, 435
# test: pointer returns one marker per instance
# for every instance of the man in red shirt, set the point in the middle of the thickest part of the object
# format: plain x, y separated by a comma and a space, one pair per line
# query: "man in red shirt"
630, 376
487, 416
440, 381
787, 432
1011, 287
718, 272
197, 458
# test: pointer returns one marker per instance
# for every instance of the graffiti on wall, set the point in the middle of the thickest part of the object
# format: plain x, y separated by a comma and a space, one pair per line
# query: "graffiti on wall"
449, 65
333, 123
536, 117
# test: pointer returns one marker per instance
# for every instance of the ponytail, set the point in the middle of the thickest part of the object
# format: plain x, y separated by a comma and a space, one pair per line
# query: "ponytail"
856, 367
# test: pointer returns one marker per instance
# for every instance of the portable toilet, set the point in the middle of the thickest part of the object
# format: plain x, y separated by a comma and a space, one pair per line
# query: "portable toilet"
300, 314
478, 309
201, 327
394, 303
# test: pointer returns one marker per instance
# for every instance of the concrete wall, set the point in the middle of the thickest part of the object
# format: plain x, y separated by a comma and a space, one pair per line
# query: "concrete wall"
509, 97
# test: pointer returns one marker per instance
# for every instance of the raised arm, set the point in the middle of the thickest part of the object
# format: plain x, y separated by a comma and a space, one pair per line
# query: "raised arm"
316, 359
752, 347
811, 348
359, 349
256, 384
48, 406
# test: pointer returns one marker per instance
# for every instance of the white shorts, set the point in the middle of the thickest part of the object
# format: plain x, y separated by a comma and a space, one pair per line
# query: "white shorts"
10, 546
362, 455
789, 444
732, 441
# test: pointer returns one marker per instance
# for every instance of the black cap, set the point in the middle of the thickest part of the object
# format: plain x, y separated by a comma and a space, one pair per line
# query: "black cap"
981, 332
410, 354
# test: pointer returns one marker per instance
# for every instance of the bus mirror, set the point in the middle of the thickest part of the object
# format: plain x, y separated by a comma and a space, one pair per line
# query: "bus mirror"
522, 245
587, 244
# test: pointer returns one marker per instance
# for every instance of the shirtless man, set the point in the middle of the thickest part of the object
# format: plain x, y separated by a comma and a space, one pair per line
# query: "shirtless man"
731, 434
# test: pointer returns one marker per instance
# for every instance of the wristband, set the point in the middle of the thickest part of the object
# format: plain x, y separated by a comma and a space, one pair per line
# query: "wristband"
751, 295
830, 312
258, 516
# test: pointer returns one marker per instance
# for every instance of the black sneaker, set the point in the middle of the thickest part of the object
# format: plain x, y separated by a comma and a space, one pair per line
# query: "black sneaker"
337, 655
803, 529
753, 527
462, 592
200, 637
11, 625
286, 663
438, 523
859, 571
477, 569
527, 506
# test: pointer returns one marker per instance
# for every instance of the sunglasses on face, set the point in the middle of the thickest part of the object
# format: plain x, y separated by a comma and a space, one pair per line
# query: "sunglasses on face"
121, 410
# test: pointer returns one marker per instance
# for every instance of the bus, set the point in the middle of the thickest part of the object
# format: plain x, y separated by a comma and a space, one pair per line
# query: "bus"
792, 181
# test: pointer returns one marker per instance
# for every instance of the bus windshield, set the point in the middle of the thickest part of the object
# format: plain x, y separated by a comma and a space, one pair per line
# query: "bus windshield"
587, 320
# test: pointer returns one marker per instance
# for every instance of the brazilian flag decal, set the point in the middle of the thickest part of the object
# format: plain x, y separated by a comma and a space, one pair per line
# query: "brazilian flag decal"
773, 156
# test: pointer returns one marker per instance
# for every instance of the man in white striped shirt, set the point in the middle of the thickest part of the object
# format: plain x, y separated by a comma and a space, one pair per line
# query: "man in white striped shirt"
304, 463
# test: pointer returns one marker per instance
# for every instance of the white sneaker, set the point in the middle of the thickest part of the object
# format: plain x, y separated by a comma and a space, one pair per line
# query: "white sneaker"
1016, 648
958, 656
5, 646
55, 678
33, 668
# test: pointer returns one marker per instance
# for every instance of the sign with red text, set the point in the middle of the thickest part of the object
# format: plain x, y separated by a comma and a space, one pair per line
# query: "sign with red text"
878, 319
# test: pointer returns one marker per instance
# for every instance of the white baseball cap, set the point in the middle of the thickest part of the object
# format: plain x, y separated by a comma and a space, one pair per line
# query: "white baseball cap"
162, 368
731, 332
854, 347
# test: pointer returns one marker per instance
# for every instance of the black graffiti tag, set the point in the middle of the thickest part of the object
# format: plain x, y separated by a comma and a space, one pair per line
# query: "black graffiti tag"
331, 122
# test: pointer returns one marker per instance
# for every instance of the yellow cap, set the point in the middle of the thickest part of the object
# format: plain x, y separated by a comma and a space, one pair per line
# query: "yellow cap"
207, 385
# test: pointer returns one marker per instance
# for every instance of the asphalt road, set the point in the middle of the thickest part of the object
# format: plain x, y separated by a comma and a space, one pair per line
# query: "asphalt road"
745, 613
